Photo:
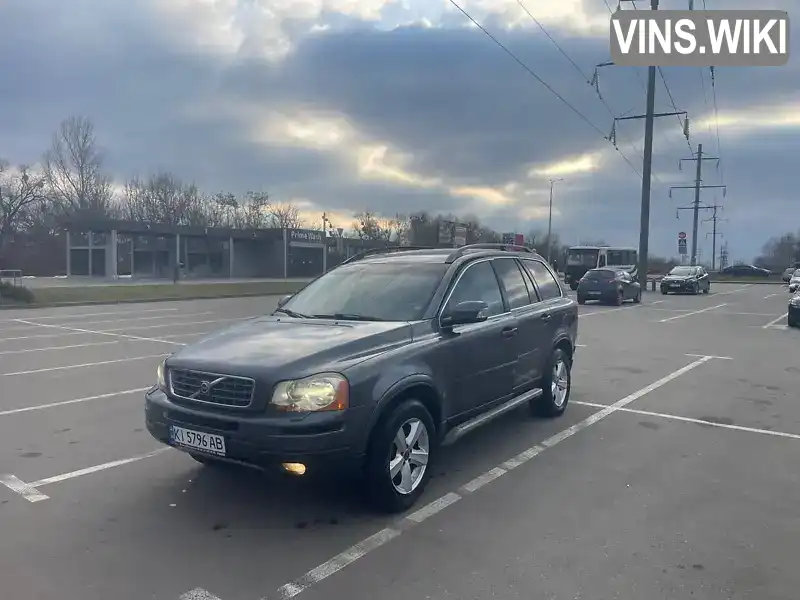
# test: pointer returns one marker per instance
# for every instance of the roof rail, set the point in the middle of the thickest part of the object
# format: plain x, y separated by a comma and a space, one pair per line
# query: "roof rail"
384, 250
503, 247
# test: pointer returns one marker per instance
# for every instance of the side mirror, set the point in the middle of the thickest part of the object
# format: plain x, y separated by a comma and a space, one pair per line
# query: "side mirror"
471, 311
284, 300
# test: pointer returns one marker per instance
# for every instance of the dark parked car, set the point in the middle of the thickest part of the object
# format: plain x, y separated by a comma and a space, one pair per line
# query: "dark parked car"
687, 280
609, 285
745, 271
793, 314
373, 366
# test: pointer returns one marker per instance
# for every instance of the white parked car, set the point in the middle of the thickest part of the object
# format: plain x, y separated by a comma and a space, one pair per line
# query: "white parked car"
794, 282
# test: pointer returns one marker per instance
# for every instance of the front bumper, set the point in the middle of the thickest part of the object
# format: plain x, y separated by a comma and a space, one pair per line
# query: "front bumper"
678, 286
793, 314
322, 441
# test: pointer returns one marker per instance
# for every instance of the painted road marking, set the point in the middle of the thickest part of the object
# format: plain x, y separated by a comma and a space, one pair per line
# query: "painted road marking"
736, 291
95, 314
694, 312
774, 321
337, 563
15, 411
711, 355
648, 413
54, 348
106, 321
82, 366
777, 294
27, 491
198, 594
94, 332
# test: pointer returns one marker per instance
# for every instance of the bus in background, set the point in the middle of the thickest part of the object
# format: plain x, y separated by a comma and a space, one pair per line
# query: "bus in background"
582, 258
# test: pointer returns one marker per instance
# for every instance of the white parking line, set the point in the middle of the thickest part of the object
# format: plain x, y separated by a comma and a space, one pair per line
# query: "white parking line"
349, 556
15, 411
106, 321
626, 307
774, 321
82, 365
54, 348
736, 291
648, 413
771, 295
694, 312
94, 332
95, 314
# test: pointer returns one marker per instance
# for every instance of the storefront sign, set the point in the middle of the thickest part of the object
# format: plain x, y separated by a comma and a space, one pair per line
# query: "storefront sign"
307, 236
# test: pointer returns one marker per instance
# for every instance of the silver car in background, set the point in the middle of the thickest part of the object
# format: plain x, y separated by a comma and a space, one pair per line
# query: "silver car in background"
794, 282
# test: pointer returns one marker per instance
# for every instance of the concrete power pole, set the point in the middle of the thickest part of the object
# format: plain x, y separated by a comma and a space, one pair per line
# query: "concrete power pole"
696, 207
550, 223
647, 162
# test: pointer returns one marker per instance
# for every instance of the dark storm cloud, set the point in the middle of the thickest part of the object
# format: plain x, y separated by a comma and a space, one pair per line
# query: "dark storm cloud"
464, 110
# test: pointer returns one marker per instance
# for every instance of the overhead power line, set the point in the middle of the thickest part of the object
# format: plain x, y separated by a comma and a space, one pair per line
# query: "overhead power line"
684, 123
550, 88
716, 118
580, 71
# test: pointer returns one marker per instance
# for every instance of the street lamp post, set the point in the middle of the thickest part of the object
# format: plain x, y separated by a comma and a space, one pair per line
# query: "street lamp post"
550, 222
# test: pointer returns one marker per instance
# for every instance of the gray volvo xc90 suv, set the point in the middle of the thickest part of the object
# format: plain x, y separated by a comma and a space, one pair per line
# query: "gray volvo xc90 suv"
374, 366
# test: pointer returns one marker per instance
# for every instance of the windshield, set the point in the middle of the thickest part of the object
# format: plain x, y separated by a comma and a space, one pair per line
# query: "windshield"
379, 291
682, 271
796, 273
586, 258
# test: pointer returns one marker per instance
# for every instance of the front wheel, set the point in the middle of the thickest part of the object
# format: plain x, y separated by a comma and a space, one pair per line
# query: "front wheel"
556, 386
581, 300
637, 299
573, 285
619, 299
399, 457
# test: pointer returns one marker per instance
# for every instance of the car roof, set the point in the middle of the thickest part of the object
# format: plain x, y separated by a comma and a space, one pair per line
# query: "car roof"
440, 255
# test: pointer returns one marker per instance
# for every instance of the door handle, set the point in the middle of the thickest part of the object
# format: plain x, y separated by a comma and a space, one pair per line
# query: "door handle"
509, 332
546, 317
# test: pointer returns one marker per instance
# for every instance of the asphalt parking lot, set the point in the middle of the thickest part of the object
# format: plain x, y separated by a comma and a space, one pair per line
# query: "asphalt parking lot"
673, 474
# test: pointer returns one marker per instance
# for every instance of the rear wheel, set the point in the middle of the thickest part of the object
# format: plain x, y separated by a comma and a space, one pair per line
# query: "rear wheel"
398, 460
556, 386
581, 300
663, 291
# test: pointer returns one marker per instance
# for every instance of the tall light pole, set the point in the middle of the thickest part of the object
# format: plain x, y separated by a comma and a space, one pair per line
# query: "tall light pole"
550, 221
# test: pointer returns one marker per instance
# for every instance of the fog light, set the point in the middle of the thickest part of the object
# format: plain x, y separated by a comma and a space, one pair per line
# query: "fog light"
294, 468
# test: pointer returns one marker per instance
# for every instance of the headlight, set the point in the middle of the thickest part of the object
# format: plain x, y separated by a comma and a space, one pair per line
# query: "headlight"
795, 301
323, 392
161, 380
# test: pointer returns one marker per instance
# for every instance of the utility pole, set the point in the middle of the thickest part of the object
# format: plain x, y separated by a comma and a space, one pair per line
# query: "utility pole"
698, 185
647, 164
713, 218
550, 222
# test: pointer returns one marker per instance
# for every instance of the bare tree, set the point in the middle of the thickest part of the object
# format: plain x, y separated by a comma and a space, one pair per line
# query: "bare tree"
20, 192
163, 198
73, 168
284, 216
369, 226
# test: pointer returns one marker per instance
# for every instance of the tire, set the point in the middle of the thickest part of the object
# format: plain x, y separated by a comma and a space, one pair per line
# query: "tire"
581, 300
573, 285
384, 491
619, 299
695, 290
552, 403
707, 290
664, 292
637, 299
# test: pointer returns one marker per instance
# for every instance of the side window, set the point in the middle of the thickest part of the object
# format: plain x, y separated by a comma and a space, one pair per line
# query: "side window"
513, 282
478, 283
547, 284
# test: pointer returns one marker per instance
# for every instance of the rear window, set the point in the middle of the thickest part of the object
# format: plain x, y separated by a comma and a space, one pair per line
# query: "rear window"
603, 274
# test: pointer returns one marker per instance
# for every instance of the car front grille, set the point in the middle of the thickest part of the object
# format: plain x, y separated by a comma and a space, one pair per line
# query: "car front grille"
211, 388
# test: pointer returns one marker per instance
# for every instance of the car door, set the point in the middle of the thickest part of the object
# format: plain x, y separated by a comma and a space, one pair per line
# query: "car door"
546, 316
625, 281
521, 299
482, 356
703, 279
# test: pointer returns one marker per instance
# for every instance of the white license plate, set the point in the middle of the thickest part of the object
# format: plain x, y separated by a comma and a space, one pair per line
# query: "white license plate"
197, 440
594, 293
674, 285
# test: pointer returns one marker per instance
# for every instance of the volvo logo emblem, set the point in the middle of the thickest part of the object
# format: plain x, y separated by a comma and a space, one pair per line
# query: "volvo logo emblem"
205, 387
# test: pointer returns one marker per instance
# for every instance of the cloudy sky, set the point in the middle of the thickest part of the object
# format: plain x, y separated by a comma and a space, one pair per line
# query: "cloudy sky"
401, 105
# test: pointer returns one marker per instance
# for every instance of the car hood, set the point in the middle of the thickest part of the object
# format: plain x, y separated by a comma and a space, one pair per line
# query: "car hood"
261, 346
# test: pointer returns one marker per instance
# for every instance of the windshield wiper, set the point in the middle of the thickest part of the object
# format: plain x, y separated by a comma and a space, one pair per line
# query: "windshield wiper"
291, 313
347, 317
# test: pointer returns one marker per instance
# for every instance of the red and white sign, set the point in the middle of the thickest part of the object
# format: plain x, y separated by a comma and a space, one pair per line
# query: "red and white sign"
682, 235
